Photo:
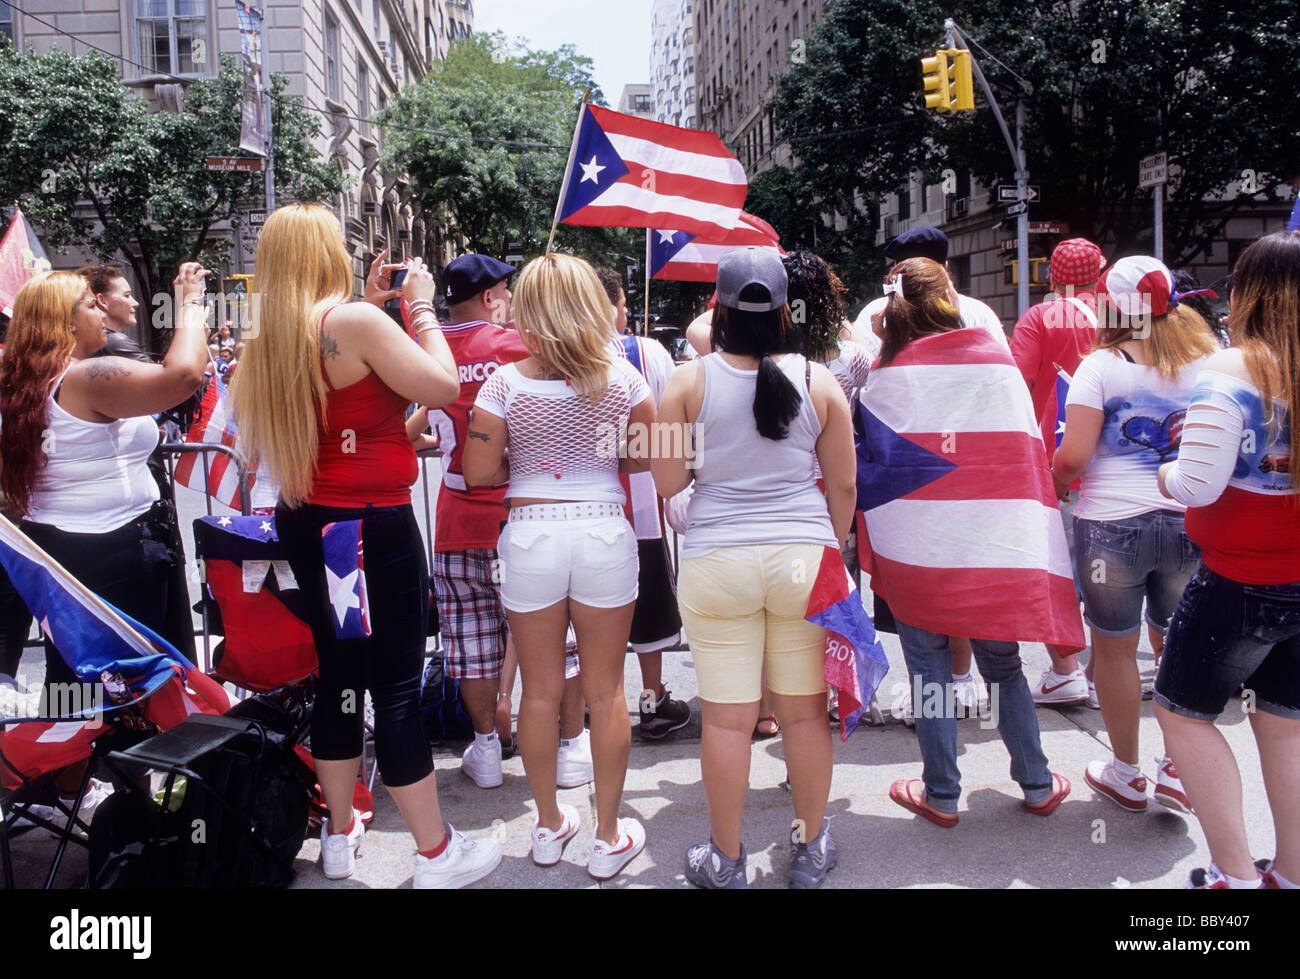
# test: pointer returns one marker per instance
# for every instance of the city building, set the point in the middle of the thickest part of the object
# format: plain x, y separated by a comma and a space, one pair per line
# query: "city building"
344, 58
636, 101
672, 62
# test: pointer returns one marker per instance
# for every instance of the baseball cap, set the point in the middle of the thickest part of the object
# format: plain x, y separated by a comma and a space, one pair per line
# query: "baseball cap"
919, 243
469, 275
1138, 285
753, 266
1076, 262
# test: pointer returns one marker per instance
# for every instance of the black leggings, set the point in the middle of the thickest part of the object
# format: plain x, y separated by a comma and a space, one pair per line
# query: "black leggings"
388, 662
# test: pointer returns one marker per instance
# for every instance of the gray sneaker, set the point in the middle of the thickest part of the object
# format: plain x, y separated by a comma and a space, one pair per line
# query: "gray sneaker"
809, 862
707, 867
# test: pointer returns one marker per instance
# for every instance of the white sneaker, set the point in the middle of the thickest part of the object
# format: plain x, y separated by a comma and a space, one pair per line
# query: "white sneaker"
462, 863
482, 763
1129, 793
573, 765
1169, 787
969, 691
96, 792
339, 852
1052, 688
608, 859
548, 844
1092, 701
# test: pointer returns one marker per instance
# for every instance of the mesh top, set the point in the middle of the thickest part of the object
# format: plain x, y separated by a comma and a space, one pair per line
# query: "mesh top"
561, 447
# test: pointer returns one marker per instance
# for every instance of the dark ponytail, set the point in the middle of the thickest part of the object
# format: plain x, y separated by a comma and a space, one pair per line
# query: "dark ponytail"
753, 334
776, 401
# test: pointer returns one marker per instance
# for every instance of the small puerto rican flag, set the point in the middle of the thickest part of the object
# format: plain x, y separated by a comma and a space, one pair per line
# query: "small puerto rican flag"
345, 574
855, 660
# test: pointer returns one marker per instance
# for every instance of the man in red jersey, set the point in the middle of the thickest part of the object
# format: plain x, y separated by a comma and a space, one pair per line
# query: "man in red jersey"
466, 572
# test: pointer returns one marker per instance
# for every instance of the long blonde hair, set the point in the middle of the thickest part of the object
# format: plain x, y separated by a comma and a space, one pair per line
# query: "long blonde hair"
562, 314
1169, 342
278, 395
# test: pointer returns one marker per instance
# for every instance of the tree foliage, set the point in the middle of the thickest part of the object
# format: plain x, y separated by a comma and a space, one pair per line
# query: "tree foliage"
93, 167
1111, 82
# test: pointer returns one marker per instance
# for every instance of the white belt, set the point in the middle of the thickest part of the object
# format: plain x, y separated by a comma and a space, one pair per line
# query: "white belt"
566, 511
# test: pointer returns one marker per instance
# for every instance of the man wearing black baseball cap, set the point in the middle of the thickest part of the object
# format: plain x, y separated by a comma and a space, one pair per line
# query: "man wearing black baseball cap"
928, 243
467, 277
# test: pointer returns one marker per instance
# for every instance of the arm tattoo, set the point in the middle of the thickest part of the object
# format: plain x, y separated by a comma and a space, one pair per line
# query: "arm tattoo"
328, 346
481, 436
106, 369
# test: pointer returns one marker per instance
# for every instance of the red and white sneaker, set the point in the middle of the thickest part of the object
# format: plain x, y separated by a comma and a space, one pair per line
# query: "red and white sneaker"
607, 859
1207, 879
1267, 882
1130, 794
1169, 787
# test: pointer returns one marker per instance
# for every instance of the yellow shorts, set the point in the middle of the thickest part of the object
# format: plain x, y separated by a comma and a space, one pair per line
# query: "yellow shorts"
743, 608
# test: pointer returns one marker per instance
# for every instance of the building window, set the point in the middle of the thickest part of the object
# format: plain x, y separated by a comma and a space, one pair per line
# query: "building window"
959, 268
905, 202
167, 32
363, 98
331, 58
381, 103
6, 20
376, 21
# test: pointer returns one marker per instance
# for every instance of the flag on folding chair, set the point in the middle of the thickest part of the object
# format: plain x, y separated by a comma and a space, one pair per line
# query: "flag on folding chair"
345, 574
213, 424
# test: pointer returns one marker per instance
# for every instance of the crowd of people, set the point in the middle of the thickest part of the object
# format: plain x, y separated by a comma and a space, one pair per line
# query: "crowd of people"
1167, 440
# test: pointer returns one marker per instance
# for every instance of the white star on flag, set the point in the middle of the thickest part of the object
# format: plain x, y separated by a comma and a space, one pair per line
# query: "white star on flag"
591, 171
667, 237
225, 521
266, 527
343, 593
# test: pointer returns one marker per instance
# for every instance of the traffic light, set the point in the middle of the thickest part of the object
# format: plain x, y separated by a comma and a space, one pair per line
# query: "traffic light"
947, 78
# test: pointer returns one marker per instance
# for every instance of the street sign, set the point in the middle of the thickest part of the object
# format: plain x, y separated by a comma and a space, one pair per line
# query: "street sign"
248, 164
1152, 170
1016, 209
256, 219
1048, 228
1008, 193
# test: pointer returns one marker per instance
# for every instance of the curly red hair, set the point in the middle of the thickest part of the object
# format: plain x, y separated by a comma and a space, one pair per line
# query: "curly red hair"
38, 346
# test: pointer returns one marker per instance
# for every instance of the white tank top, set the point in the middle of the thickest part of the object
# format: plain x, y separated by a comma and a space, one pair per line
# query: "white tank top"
96, 478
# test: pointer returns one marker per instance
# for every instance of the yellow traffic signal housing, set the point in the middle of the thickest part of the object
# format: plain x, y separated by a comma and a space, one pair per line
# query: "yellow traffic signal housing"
947, 79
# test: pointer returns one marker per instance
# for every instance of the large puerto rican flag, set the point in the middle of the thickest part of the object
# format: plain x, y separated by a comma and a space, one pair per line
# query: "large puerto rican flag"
964, 537
21, 257
628, 172
681, 257
214, 423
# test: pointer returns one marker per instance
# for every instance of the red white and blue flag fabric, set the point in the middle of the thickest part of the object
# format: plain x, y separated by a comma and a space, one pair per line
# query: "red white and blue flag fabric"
103, 646
345, 574
680, 257
21, 257
855, 660
214, 423
253, 601
628, 172
964, 537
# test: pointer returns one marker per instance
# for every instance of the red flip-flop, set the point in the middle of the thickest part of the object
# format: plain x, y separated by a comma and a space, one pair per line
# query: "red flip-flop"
910, 794
1060, 789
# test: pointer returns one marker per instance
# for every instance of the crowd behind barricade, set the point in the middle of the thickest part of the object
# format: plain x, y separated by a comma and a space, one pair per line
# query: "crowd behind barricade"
1123, 460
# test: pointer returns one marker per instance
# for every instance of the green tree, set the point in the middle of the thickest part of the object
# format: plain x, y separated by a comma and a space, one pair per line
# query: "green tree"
90, 165
1110, 83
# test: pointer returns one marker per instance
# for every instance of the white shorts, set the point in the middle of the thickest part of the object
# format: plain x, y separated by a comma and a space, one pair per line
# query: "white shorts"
583, 551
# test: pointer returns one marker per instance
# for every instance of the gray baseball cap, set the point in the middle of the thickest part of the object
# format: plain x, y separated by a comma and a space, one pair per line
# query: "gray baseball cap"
752, 266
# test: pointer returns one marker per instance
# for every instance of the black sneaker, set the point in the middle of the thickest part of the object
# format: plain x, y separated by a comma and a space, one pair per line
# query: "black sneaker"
662, 718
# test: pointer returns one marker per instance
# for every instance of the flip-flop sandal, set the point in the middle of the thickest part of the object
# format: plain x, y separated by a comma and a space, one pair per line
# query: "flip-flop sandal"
1060, 789
910, 794
766, 735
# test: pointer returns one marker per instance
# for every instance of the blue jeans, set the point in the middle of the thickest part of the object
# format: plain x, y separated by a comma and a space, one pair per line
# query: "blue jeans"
929, 658
1226, 634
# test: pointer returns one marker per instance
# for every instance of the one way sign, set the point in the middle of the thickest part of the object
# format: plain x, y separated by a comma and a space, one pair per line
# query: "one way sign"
1008, 193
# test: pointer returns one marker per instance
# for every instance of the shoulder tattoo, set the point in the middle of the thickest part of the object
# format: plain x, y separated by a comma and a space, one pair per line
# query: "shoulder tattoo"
329, 347
106, 369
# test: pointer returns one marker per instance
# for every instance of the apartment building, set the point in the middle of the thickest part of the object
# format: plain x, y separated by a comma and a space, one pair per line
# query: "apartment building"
636, 100
672, 62
345, 58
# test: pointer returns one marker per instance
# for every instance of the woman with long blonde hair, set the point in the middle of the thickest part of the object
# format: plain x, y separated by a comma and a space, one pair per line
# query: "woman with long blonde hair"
1123, 420
568, 553
1238, 624
320, 398
76, 437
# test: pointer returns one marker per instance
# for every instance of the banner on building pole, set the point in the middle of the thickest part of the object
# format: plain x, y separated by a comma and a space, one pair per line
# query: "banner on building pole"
253, 127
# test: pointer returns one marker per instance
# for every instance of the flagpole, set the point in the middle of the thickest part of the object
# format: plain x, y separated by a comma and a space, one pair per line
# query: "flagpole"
568, 170
647, 283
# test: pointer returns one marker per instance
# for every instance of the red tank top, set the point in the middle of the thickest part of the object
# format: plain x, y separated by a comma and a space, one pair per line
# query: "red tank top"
364, 455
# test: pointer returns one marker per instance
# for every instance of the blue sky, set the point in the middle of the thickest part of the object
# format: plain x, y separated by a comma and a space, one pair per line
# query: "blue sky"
615, 34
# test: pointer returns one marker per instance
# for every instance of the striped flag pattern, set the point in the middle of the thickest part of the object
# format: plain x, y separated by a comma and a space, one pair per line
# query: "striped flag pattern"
681, 257
636, 173
214, 424
964, 534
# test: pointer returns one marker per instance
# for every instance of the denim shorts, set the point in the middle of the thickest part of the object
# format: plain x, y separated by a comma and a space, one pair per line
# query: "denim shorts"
1226, 634
1118, 563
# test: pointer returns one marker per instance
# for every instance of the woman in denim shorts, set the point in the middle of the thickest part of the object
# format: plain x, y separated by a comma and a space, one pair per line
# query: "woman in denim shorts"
1237, 627
1124, 418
